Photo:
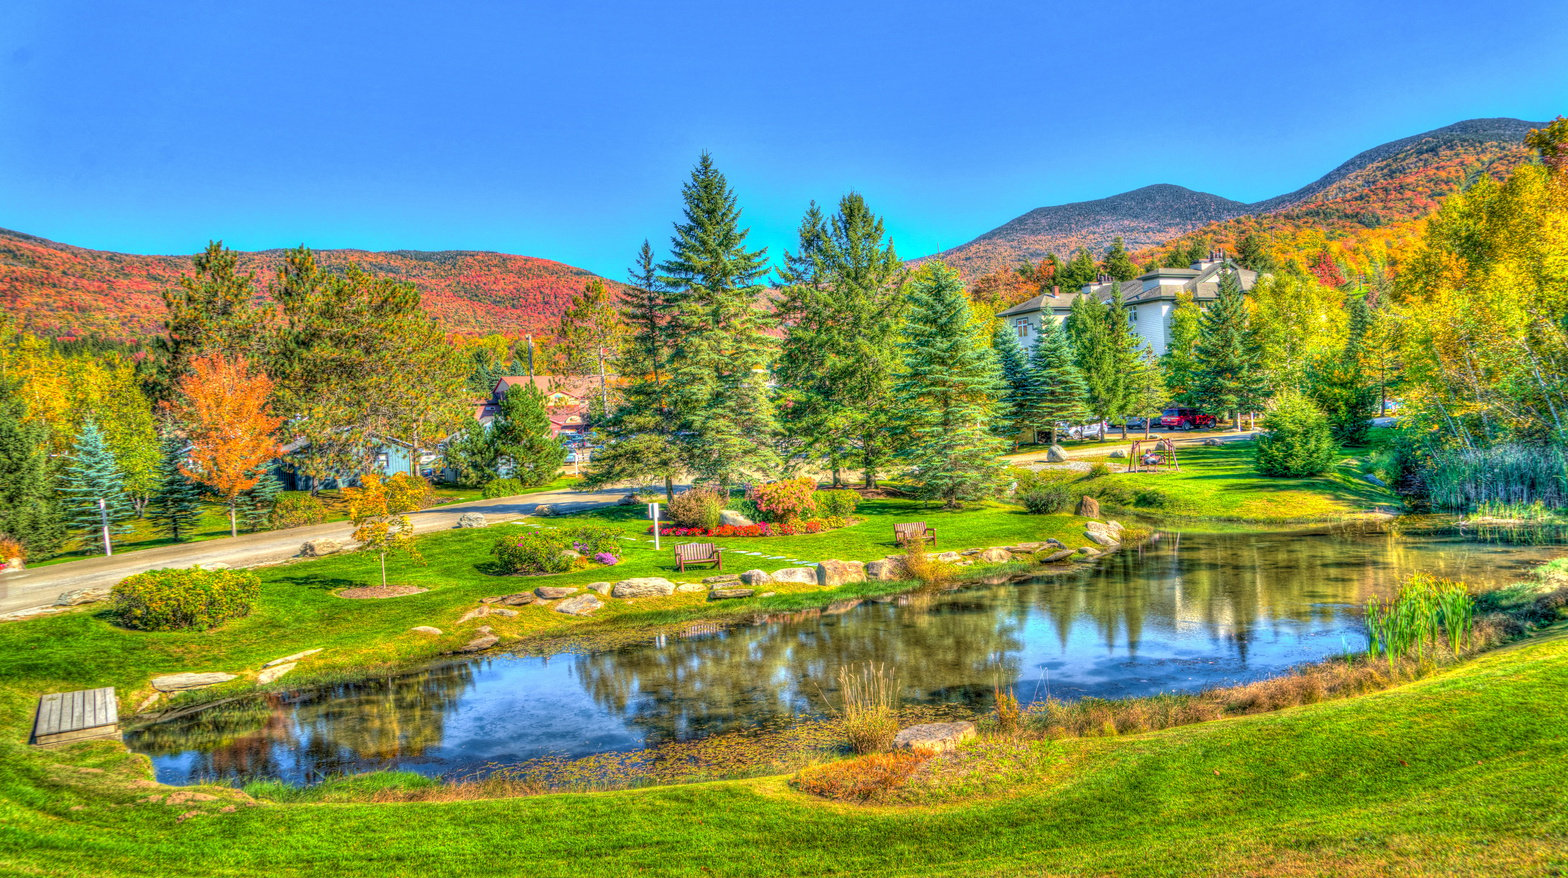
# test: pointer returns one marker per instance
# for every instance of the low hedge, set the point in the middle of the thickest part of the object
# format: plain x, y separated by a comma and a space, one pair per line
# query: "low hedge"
179, 600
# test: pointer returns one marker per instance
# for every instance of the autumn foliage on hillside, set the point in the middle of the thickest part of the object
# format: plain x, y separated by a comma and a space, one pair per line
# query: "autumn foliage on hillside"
58, 290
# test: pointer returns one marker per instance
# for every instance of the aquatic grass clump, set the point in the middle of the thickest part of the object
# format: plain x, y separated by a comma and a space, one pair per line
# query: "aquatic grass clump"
1424, 613
868, 706
1009, 714
1464, 479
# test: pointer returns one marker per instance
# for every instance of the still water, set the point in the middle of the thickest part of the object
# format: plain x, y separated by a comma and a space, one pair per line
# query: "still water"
1183, 613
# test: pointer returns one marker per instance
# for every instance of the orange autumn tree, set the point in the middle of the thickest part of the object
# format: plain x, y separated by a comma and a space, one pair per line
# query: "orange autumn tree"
223, 407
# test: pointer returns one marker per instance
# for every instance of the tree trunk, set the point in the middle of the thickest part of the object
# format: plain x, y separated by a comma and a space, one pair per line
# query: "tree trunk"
1238, 420
383, 569
669, 488
234, 529
1147, 423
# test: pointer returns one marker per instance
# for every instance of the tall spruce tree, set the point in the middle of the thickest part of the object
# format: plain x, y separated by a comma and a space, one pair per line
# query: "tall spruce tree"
175, 505
1105, 349
1117, 263
719, 366
1079, 270
1253, 252
946, 392
840, 309
1057, 390
92, 475
1227, 378
210, 310
254, 508
29, 511
1013, 412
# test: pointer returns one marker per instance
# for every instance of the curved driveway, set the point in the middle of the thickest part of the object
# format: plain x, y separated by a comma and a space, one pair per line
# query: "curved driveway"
42, 586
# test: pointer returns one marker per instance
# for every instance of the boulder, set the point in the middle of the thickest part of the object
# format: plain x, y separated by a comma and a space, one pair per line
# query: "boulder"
734, 519
504, 613
627, 500
320, 548
1118, 454
1056, 454
580, 605
689, 587
1374, 480
724, 594
471, 519
544, 510
600, 587
1212, 443
643, 587
1025, 548
426, 629
1085, 550
554, 592
290, 659
1089, 507
836, 573
520, 599
890, 569
996, 556
267, 675
934, 737
722, 578
78, 596
1101, 538
181, 682
802, 575
949, 557
480, 643
474, 614
756, 577
1053, 557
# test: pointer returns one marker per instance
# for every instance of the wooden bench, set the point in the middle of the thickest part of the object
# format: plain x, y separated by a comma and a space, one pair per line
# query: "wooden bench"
64, 717
913, 530
698, 553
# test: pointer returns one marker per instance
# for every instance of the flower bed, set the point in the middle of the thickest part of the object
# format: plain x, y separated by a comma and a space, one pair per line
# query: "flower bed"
760, 529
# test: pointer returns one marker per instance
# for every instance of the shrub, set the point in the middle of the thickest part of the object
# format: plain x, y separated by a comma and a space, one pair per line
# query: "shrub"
1098, 471
10, 547
859, 780
698, 507
923, 566
1048, 498
298, 510
869, 707
837, 504
593, 539
177, 600
785, 501
502, 488
533, 553
1009, 714
1297, 442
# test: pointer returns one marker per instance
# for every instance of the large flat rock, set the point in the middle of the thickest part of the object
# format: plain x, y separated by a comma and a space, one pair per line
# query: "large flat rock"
180, 682
647, 587
934, 737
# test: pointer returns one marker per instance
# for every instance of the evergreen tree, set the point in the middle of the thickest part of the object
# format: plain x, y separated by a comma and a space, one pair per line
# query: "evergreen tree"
521, 432
1057, 390
473, 455
1019, 381
1226, 355
211, 310
719, 367
255, 504
840, 308
29, 511
1117, 263
946, 392
1181, 349
1253, 252
1147, 393
1340, 386
1079, 270
93, 475
175, 505
1106, 349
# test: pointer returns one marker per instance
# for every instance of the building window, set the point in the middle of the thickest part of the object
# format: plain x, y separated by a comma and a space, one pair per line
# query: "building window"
1023, 327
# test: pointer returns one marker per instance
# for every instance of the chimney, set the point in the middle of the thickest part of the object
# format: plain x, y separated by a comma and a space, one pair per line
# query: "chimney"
1056, 291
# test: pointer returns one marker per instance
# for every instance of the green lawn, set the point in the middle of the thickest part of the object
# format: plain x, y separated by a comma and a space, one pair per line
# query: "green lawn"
1221, 484
1460, 773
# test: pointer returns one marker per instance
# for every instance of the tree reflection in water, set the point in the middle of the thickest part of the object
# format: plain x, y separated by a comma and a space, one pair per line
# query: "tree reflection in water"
1182, 613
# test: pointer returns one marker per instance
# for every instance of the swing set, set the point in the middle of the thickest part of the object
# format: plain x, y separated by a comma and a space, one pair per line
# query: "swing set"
1152, 456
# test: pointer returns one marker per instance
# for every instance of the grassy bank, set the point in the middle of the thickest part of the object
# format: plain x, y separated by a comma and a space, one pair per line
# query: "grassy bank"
1460, 773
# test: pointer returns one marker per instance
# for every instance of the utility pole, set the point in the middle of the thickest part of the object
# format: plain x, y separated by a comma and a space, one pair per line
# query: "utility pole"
103, 518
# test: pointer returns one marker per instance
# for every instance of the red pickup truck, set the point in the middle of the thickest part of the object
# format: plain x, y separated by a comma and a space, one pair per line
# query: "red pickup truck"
1185, 419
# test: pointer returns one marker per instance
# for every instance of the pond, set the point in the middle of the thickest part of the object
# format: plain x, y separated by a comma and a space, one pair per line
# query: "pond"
1182, 613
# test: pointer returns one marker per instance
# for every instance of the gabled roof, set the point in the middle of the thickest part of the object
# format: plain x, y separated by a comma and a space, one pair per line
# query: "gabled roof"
1203, 283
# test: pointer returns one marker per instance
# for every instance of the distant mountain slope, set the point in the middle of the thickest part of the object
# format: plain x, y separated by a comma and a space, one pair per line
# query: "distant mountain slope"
1142, 218
1387, 184
60, 290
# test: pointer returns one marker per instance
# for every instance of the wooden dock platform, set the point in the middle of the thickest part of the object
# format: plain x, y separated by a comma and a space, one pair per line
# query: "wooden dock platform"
67, 717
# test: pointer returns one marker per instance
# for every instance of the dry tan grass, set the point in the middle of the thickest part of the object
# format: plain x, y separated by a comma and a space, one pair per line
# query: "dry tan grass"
866, 779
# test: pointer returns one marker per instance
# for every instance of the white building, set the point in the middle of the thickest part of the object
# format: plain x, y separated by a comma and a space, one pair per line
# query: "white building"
1149, 300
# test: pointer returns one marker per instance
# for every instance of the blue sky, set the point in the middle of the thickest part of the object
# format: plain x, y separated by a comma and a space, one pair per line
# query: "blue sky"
564, 130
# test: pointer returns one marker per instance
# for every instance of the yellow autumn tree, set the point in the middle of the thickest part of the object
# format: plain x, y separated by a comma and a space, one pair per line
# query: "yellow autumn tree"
223, 408
379, 510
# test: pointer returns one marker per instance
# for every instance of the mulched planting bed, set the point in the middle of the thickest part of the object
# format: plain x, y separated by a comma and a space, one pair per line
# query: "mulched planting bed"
379, 591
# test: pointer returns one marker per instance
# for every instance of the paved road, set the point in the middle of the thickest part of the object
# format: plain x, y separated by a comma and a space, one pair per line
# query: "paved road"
40, 587
1115, 443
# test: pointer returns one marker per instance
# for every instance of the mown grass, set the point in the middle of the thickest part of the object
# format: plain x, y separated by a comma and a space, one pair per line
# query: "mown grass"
1460, 773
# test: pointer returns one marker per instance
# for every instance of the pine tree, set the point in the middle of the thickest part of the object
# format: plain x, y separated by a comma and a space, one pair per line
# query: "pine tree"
255, 505
1078, 271
1340, 386
211, 310
1106, 349
1058, 393
946, 392
1253, 252
722, 350
1181, 349
175, 505
1013, 411
473, 455
29, 511
1226, 357
1117, 263
521, 432
93, 475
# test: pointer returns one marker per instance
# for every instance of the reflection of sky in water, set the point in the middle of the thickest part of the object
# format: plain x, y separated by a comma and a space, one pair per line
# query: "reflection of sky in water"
1186, 612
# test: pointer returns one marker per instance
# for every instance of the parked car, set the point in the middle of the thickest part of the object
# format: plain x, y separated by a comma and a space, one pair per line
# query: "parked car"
1178, 418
